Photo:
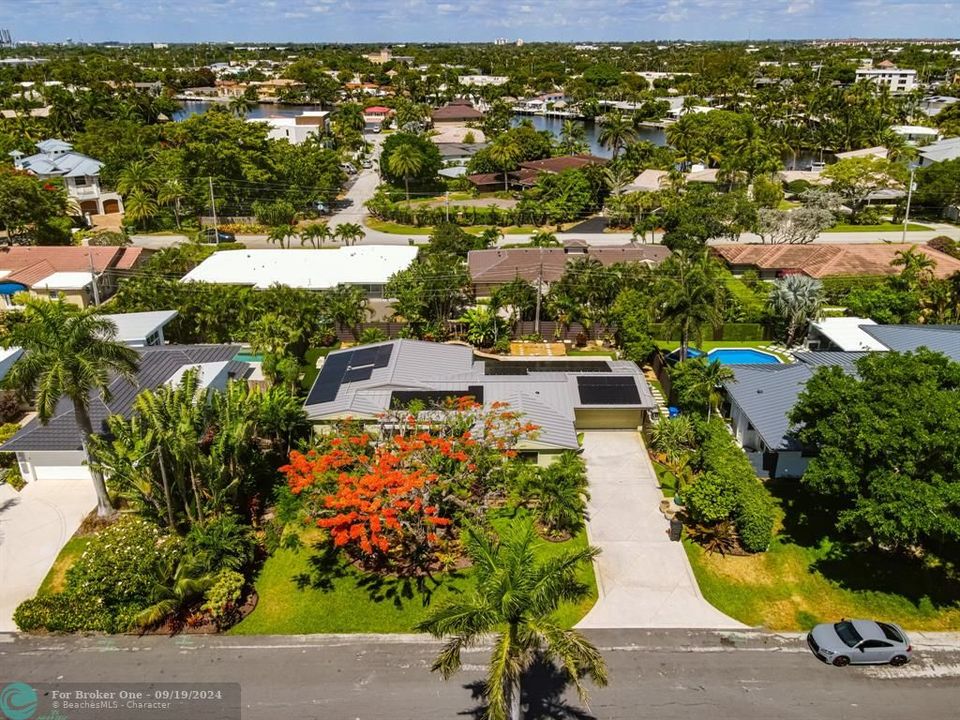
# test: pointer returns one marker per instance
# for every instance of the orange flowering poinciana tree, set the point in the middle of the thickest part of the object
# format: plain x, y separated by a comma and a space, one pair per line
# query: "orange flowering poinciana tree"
390, 497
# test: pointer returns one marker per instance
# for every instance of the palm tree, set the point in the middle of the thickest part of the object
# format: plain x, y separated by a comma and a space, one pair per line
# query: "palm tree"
407, 162
350, 233
348, 306
617, 132
504, 153
139, 206
516, 597
139, 175
171, 192
573, 138
176, 587
73, 353
483, 326
544, 238
796, 299
315, 235
715, 374
241, 105
691, 293
281, 235
917, 268
698, 380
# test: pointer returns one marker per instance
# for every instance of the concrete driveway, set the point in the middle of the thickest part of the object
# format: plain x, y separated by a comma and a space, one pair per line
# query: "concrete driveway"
35, 524
644, 579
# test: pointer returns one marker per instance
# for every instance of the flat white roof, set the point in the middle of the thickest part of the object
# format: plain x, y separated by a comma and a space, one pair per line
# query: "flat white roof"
309, 268
140, 325
64, 281
915, 130
847, 333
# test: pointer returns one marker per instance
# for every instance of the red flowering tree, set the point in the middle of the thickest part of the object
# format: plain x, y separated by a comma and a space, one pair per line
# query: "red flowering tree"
390, 497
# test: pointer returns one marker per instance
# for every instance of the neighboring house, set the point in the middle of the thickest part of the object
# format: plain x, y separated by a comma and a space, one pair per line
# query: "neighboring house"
460, 153
526, 176
376, 115
940, 151
915, 134
142, 329
269, 90
878, 152
386, 55
846, 334
70, 271
80, 175
456, 113
368, 266
935, 104
897, 80
819, 261
492, 268
8, 356
561, 397
297, 129
483, 80
55, 451
760, 397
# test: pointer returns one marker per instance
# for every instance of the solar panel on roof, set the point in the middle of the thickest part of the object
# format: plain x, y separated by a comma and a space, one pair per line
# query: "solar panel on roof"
364, 356
356, 374
383, 356
606, 390
328, 381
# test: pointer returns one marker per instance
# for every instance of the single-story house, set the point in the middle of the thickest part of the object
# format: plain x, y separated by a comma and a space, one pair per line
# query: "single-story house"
55, 451
845, 334
457, 112
560, 396
297, 129
141, 329
819, 261
51, 271
760, 397
940, 151
528, 172
494, 267
916, 133
878, 152
368, 266
376, 114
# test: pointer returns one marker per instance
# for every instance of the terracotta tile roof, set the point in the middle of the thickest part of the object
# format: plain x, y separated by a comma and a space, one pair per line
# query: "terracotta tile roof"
503, 265
28, 265
455, 112
831, 260
565, 162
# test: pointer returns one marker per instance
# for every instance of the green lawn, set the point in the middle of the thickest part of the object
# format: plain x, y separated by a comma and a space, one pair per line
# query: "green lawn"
667, 480
591, 353
400, 229
308, 591
55, 579
884, 227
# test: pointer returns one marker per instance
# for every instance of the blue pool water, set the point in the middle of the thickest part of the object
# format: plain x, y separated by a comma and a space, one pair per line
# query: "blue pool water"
741, 356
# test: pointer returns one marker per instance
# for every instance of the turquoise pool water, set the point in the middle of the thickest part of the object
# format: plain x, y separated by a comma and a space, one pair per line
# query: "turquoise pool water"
248, 357
742, 356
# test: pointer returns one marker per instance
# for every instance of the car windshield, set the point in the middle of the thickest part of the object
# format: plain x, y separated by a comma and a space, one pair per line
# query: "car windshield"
848, 633
890, 632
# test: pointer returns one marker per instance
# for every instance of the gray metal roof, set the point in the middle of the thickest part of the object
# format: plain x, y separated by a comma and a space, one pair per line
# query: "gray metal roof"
547, 399
822, 358
58, 159
904, 338
157, 365
766, 393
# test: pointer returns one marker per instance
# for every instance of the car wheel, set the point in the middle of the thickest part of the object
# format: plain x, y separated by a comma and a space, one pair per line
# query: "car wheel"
898, 660
841, 661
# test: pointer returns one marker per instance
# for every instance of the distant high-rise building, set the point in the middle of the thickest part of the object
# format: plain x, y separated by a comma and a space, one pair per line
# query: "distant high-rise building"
500, 41
6, 41
519, 42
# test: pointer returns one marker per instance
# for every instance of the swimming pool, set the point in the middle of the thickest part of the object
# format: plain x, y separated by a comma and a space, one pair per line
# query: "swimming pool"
742, 356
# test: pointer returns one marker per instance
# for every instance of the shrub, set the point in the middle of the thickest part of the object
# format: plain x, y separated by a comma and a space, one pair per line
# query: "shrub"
221, 599
220, 543
372, 335
755, 517
63, 613
946, 245
711, 498
869, 216
797, 187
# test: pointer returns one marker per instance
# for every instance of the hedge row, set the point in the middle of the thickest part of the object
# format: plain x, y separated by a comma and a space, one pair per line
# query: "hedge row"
729, 488
727, 331
836, 289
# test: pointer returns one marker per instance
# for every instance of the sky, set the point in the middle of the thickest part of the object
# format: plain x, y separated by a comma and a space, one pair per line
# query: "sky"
395, 21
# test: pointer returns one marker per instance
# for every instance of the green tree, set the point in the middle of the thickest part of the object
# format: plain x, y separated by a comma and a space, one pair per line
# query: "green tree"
281, 235
484, 326
140, 207
885, 446
505, 153
348, 306
616, 132
697, 383
73, 353
350, 233
796, 300
515, 599
855, 178
315, 234
690, 295
30, 207
407, 162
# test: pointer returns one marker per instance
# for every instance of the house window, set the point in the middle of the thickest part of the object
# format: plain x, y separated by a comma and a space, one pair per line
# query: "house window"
153, 338
80, 180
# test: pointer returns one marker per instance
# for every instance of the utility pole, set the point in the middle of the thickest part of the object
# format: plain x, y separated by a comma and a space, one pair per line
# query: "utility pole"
536, 319
213, 207
447, 196
906, 215
93, 276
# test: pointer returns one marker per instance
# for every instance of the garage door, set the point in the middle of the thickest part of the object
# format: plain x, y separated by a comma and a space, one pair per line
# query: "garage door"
608, 418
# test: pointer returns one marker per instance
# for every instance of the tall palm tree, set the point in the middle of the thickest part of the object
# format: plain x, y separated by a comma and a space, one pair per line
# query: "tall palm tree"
171, 192
315, 234
516, 597
139, 175
691, 293
573, 137
241, 105
407, 162
140, 207
617, 132
916, 267
505, 152
350, 233
70, 353
796, 299
348, 306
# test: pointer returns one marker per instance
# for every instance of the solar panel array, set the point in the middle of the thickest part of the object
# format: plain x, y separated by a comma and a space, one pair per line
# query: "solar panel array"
606, 390
347, 367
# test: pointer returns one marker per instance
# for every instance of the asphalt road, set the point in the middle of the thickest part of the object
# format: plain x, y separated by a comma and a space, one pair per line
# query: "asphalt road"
664, 675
